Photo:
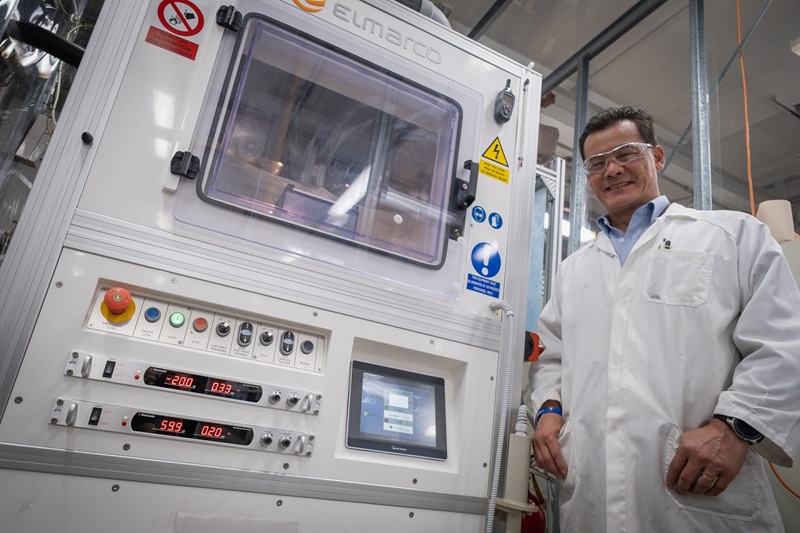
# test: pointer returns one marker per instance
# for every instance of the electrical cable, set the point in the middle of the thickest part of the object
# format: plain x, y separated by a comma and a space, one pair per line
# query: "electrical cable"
746, 112
750, 177
785, 485
713, 90
504, 403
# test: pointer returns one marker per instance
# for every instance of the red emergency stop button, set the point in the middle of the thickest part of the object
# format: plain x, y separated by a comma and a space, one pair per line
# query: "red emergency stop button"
117, 306
200, 324
117, 300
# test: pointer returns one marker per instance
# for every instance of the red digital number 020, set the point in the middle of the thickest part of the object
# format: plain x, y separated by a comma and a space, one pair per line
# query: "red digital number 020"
211, 431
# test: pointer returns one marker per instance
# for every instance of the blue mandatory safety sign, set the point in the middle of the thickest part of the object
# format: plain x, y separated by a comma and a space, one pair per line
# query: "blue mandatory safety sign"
495, 221
486, 260
483, 286
478, 214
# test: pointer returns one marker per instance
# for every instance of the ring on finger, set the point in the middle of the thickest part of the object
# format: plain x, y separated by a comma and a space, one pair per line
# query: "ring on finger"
710, 479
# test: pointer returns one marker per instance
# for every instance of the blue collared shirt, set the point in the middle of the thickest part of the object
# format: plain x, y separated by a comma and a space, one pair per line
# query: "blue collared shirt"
641, 220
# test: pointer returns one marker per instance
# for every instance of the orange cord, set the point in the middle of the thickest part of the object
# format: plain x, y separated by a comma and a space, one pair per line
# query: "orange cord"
746, 115
777, 475
750, 178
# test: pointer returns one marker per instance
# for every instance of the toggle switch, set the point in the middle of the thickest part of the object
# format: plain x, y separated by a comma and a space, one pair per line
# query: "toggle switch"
108, 370
287, 343
245, 334
94, 417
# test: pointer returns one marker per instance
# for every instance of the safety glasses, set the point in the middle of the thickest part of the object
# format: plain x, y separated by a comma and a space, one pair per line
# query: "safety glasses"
623, 154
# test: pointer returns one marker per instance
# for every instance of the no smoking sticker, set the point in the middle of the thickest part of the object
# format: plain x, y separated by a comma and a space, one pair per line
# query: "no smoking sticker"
180, 17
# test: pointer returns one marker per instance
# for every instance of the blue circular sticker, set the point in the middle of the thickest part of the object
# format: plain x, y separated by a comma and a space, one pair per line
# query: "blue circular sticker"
495, 221
486, 260
478, 214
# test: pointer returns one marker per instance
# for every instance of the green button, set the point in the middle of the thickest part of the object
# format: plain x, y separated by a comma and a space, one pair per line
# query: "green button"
176, 320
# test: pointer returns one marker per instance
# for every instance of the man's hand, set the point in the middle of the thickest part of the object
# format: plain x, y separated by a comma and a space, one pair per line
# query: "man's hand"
707, 460
545, 445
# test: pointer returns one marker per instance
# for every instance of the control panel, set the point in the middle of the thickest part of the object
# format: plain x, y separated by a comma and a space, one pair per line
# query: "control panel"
142, 374
130, 420
116, 310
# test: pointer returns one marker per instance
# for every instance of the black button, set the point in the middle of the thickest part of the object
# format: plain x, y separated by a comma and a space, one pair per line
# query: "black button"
307, 347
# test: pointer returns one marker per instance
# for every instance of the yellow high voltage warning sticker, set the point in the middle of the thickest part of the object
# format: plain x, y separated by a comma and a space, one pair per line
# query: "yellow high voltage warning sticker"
495, 153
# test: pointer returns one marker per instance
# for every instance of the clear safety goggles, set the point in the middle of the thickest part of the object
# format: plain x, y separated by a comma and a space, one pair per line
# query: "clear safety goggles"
622, 154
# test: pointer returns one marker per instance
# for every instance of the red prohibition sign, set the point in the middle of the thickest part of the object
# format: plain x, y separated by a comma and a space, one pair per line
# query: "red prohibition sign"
184, 18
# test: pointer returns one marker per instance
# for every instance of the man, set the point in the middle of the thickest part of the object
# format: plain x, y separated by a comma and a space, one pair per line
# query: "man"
672, 356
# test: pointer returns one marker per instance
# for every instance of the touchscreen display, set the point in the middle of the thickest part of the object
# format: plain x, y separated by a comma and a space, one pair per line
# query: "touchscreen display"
396, 411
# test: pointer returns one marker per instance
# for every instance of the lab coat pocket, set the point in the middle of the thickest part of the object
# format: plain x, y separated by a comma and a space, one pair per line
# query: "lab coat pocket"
740, 501
676, 277
566, 442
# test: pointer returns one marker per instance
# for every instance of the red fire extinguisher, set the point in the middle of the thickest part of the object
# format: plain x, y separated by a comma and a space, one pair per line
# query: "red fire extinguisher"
536, 522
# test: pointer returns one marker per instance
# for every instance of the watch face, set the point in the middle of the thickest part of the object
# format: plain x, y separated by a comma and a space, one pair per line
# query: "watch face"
746, 431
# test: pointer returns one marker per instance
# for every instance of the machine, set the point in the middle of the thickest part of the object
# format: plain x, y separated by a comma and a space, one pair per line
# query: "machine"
268, 276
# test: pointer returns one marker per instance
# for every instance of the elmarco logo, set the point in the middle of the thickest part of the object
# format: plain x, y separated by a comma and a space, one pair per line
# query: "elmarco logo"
310, 6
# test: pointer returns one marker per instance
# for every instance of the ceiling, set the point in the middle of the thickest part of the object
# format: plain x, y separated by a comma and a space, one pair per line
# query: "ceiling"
650, 67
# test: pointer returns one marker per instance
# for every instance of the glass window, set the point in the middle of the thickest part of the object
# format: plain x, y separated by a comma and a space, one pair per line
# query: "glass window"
311, 137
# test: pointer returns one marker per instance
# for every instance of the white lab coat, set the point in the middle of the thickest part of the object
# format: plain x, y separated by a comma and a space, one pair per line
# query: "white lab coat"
709, 324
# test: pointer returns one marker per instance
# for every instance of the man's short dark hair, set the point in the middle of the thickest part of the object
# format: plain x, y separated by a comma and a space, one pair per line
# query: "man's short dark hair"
613, 115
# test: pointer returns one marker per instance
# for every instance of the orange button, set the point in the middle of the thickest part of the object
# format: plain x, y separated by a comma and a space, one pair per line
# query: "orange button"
200, 324
117, 300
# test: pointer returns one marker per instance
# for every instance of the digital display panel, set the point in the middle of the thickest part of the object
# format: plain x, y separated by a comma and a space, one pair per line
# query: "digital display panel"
191, 429
396, 411
184, 381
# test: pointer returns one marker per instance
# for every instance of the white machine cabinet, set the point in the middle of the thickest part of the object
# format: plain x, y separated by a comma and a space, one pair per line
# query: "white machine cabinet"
252, 287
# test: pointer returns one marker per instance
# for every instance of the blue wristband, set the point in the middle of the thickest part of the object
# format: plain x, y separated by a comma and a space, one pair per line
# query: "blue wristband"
545, 410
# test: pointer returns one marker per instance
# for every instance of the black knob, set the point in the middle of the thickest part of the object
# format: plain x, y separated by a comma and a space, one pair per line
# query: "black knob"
223, 328
266, 338
293, 400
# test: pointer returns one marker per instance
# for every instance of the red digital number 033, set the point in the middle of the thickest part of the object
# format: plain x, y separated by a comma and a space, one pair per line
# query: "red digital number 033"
221, 387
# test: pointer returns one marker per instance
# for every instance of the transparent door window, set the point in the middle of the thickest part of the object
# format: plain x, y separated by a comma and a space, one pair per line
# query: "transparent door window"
312, 137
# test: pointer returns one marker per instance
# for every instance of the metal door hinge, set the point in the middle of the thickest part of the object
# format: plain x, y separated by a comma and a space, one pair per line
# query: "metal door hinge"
228, 17
185, 164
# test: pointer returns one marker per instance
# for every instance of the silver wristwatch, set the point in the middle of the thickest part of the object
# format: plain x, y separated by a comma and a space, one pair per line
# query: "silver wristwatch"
743, 430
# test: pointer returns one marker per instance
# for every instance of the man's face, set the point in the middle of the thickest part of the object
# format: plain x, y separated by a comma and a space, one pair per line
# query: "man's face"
622, 188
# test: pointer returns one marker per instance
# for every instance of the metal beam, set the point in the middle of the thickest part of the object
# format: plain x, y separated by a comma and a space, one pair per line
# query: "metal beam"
488, 18
577, 193
617, 29
701, 151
